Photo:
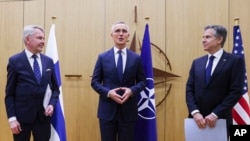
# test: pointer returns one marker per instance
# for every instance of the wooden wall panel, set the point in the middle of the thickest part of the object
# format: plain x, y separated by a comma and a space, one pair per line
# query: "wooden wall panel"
80, 32
11, 17
34, 12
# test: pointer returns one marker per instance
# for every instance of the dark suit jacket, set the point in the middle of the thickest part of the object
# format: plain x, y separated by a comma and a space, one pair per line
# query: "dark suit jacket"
223, 90
105, 77
24, 96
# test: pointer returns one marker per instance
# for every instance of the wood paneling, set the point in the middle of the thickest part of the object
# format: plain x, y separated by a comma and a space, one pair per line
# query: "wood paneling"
34, 12
80, 36
11, 25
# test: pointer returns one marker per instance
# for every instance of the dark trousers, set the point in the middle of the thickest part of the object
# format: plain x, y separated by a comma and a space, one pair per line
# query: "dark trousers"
117, 129
40, 131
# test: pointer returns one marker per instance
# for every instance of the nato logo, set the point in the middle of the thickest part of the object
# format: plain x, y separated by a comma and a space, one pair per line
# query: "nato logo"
146, 104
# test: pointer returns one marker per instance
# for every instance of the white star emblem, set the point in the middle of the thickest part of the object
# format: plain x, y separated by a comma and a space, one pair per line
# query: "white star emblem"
146, 102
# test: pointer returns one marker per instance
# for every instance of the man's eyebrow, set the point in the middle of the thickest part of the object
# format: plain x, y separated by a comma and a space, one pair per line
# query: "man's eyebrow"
121, 30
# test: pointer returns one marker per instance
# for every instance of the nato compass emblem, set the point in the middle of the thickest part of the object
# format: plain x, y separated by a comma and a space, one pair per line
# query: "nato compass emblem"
162, 77
146, 104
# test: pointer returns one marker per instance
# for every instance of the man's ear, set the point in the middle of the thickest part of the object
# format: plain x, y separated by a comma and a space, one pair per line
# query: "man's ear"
220, 40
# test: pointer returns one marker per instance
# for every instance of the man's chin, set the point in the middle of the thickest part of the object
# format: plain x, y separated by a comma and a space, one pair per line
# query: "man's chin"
205, 49
40, 50
121, 44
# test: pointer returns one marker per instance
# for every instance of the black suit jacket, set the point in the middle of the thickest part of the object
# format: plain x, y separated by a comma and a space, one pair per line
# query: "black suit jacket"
24, 96
223, 90
105, 77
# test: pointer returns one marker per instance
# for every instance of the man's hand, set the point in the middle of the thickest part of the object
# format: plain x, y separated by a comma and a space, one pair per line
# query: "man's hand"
115, 96
211, 120
120, 98
200, 121
15, 127
49, 110
127, 93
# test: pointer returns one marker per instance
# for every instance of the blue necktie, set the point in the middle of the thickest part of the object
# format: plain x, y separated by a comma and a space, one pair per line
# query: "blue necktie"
36, 69
120, 65
209, 68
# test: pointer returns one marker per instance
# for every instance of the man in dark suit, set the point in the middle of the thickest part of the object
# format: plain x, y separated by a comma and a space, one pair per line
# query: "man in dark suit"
117, 108
25, 92
214, 99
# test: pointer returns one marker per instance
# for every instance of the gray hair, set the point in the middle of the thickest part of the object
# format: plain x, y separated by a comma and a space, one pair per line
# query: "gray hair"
220, 31
119, 22
29, 30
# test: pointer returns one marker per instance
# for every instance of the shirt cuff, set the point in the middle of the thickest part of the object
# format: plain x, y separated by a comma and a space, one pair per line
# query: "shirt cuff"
214, 115
12, 119
194, 111
108, 94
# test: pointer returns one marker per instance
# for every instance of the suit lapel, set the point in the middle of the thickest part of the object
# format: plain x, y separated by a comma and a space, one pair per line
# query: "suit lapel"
27, 65
127, 63
201, 67
110, 63
44, 64
223, 60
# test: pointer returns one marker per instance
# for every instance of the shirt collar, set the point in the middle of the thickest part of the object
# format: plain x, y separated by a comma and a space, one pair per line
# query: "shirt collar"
217, 54
124, 50
29, 54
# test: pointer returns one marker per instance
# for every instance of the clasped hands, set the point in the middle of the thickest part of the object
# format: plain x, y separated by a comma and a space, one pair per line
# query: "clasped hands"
209, 120
120, 98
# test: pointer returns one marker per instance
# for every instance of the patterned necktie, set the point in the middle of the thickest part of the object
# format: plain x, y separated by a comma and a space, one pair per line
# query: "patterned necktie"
209, 68
36, 69
120, 65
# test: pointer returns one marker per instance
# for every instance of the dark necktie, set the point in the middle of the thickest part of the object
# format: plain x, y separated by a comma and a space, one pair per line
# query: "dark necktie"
209, 68
120, 65
36, 69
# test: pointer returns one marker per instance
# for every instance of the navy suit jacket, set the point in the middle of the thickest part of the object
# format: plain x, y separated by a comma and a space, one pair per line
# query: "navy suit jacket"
24, 96
105, 77
223, 90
